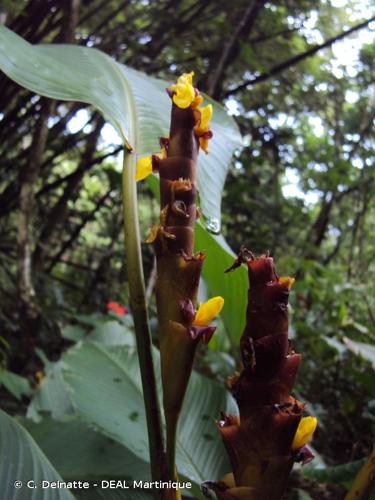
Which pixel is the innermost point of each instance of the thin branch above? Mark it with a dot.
(58, 212)
(298, 58)
(93, 12)
(272, 36)
(76, 232)
(27, 179)
(61, 180)
(243, 25)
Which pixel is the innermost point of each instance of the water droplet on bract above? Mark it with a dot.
(213, 225)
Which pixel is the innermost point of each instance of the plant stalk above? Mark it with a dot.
(364, 482)
(140, 315)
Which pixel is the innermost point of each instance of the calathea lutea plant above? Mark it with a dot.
(181, 326)
(270, 432)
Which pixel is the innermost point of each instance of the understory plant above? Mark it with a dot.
(270, 432)
(181, 326)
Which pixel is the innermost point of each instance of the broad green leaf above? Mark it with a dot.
(335, 344)
(109, 329)
(16, 385)
(22, 460)
(113, 333)
(69, 72)
(52, 396)
(338, 474)
(73, 333)
(89, 456)
(105, 389)
(366, 351)
(232, 286)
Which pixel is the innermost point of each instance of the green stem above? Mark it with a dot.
(140, 315)
(171, 446)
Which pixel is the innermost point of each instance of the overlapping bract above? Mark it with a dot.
(181, 326)
(269, 434)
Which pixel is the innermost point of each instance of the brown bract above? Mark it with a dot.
(259, 440)
(178, 268)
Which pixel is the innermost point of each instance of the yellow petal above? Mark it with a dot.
(162, 154)
(203, 143)
(206, 115)
(144, 168)
(184, 90)
(188, 77)
(197, 101)
(184, 95)
(304, 432)
(286, 279)
(208, 311)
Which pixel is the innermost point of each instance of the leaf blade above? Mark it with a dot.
(68, 72)
(104, 386)
(22, 460)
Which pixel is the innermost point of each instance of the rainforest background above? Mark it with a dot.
(303, 94)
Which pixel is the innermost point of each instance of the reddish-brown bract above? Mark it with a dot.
(259, 440)
(178, 268)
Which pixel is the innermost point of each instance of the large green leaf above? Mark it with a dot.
(22, 460)
(104, 386)
(16, 385)
(70, 72)
(113, 333)
(52, 396)
(337, 474)
(366, 351)
(232, 286)
(89, 456)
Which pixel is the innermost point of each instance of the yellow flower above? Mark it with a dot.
(188, 77)
(208, 311)
(184, 90)
(304, 432)
(144, 165)
(202, 128)
(203, 143)
(144, 168)
(288, 280)
(197, 101)
(206, 115)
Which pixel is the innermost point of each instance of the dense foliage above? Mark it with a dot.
(302, 188)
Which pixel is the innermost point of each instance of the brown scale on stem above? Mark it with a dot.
(268, 435)
(178, 269)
